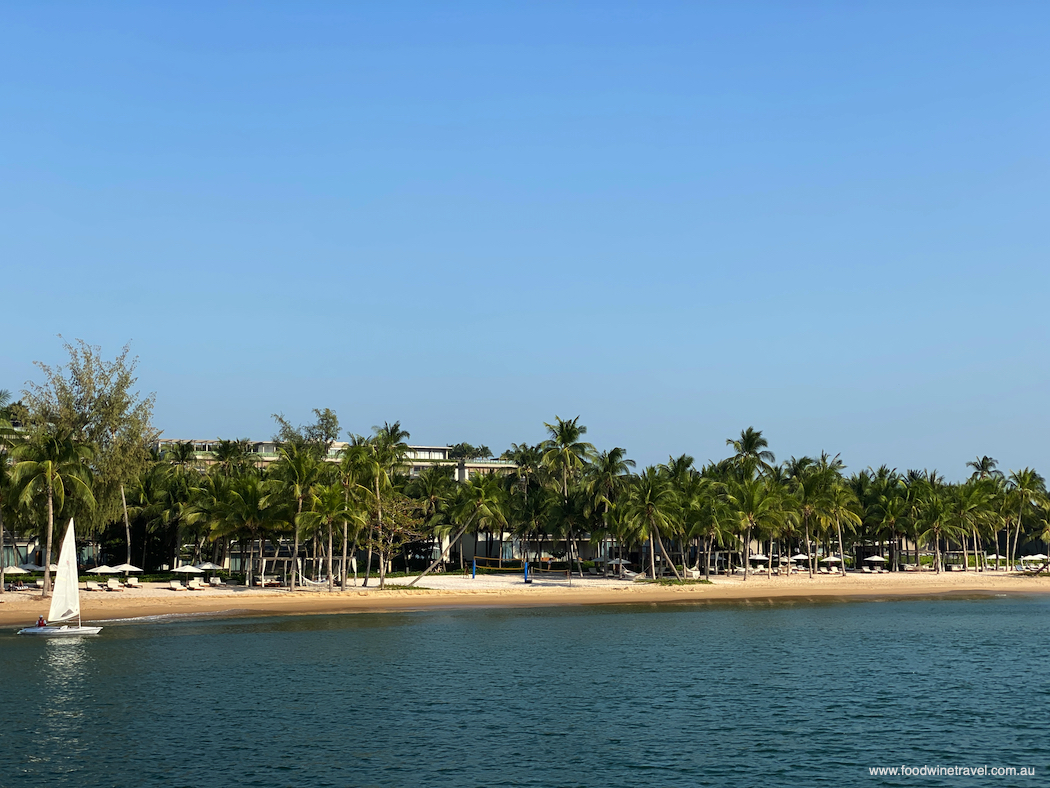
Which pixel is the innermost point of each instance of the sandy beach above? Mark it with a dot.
(21, 608)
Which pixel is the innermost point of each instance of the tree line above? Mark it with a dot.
(82, 444)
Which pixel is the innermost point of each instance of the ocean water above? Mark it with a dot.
(788, 693)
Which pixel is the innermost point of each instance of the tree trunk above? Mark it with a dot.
(809, 551)
(343, 568)
(667, 558)
(331, 577)
(747, 551)
(842, 552)
(368, 560)
(3, 555)
(937, 550)
(50, 529)
(652, 555)
(295, 544)
(251, 556)
(127, 522)
(769, 563)
(441, 557)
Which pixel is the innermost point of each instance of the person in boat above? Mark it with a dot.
(40, 622)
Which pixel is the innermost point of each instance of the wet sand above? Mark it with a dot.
(22, 608)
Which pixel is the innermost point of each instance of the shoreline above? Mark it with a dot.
(22, 608)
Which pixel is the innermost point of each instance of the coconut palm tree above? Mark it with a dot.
(607, 478)
(650, 506)
(329, 505)
(297, 470)
(1028, 490)
(479, 501)
(985, 468)
(755, 508)
(751, 452)
(249, 512)
(52, 465)
(565, 455)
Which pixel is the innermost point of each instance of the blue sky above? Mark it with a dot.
(676, 220)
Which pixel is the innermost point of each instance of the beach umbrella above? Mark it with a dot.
(125, 568)
(831, 559)
(619, 561)
(759, 557)
(800, 557)
(33, 567)
(188, 570)
(878, 558)
(14, 570)
(208, 565)
(1037, 557)
(994, 557)
(105, 569)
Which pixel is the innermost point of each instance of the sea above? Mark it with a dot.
(779, 693)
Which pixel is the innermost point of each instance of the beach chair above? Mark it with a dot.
(175, 585)
(133, 582)
(215, 582)
(195, 584)
(114, 585)
(867, 570)
(91, 585)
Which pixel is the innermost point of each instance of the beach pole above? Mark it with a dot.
(526, 564)
(473, 568)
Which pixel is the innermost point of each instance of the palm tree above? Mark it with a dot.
(329, 505)
(650, 506)
(1029, 490)
(754, 506)
(565, 454)
(7, 441)
(751, 452)
(51, 464)
(247, 514)
(606, 480)
(297, 469)
(479, 501)
(985, 468)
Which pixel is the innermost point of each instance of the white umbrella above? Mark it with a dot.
(105, 569)
(831, 559)
(14, 570)
(994, 557)
(187, 569)
(878, 558)
(1036, 557)
(126, 568)
(800, 557)
(619, 561)
(33, 567)
(208, 566)
(759, 557)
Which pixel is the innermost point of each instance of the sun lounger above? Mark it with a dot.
(175, 585)
(195, 584)
(867, 570)
(216, 581)
(133, 582)
(114, 585)
(91, 585)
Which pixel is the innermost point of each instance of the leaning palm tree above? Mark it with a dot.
(52, 465)
(480, 502)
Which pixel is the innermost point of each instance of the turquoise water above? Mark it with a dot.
(736, 694)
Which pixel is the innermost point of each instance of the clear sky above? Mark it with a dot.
(676, 220)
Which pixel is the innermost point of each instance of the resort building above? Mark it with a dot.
(417, 459)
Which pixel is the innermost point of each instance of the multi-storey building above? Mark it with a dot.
(417, 458)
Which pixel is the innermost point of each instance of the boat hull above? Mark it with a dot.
(60, 632)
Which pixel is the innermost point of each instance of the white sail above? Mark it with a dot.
(65, 596)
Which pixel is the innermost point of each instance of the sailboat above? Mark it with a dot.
(65, 596)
